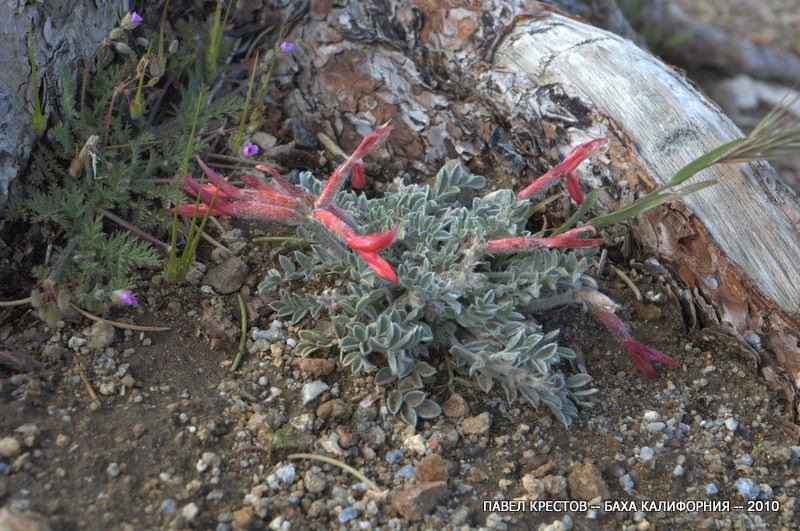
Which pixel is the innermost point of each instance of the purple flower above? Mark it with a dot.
(124, 296)
(131, 20)
(287, 46)
(250, 150)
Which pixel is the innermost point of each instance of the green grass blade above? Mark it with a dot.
(700, 163)
(644, 204)
(588, 202)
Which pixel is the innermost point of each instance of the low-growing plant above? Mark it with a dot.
(459, 273)
(102, 177)
(464, 276)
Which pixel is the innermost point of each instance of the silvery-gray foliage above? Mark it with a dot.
(453, 308)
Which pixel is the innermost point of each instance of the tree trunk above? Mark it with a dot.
(506, 85)
(64, 33)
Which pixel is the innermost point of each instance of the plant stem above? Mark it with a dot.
(118, 324)
(61, 260)
(344, 466)
(270, 239)
(133, 228)
(18, 302)
(243, 311)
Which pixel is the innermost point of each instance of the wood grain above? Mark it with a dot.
(669, 124)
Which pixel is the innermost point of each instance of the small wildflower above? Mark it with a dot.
(250, 150)
(571, 162)
(124, 296)
(131, 20)
(368, 145)
(525, 243)
(367, 246)
(287, 47)
(602, 308)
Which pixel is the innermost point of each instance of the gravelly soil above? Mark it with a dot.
(178, 441)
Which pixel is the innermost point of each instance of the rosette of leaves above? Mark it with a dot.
(453, 307)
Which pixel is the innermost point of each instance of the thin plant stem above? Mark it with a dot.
(62, 259)
(117, 324)
(238, 138)
(628, 282)
(18, 302)
(344, 466)
(133, 228)
(271, 239)
(240, 352)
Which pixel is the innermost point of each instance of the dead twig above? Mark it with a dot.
(628, 282)
(86, 383)
(118, 324)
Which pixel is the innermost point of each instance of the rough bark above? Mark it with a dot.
(64, 33)
(506, 85)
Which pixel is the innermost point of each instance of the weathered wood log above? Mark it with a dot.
(507, 85)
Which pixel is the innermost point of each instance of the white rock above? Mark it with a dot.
(748, 489)
(415, 443)
(651, 416)
(313, 389)
(646, 454)
(190, 511)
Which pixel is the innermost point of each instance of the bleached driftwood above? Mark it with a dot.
(504, 85)
(738, 242)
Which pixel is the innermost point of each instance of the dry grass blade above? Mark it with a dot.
(776, 136)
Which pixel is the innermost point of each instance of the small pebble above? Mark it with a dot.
(286, 473)
(347, 514)
(394, 456)
(748, 489)
(112, 470)
(406, 472)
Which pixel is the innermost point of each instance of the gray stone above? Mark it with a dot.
(477, 425)
(286, 473)
(748, 489)
(62, 38)
(394, 456)
(314, 480)
(312, 390)
(190, 511)
(586, 483)
(168, 506)
(100, 336)
(416, 501)
(227, 277)
(347, 514)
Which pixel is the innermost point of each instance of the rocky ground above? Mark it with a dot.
(176, 440)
